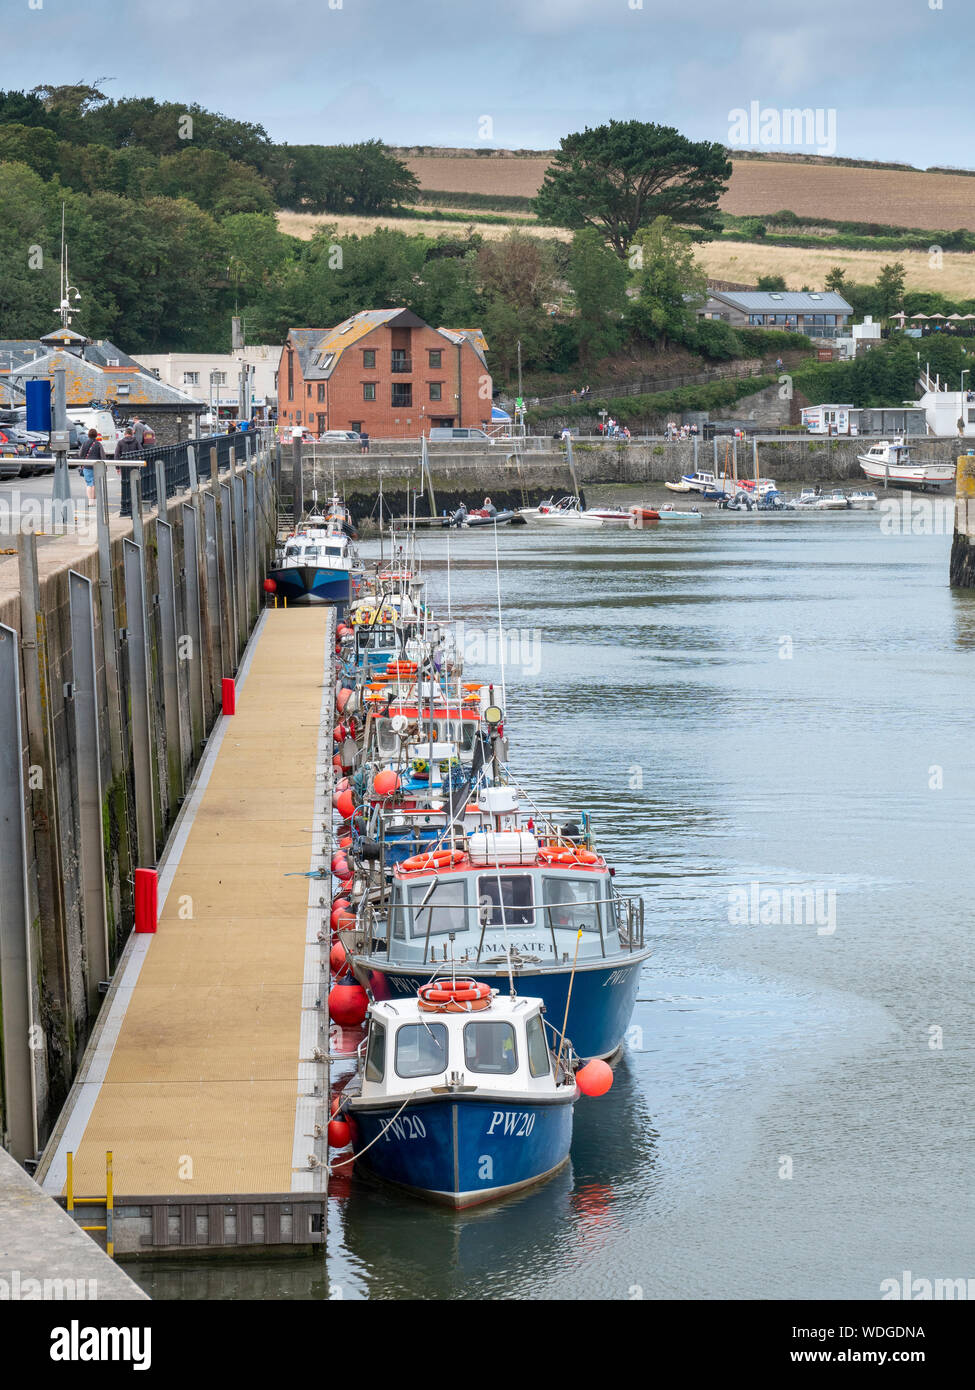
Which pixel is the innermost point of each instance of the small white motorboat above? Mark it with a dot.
(835, 501)
(862, 500)
(682, 486)
(669, 513)
(567, 511)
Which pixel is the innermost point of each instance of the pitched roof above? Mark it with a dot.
(475, 336)
(86, 381)
(319, 349)
(784, 301)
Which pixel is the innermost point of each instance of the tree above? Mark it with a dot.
(362, 178)
(771, 282)
(28, 252)
(30, 145)
(213, 181)
(890, 287)
(256, 250)
(622, 176)
(836, 280)
(598, 279)
(668, 280)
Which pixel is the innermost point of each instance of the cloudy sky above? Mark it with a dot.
(892, 76)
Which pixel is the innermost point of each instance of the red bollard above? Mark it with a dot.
(229, 695)
(146, 901)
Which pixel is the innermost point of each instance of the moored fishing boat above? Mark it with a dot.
(459, 1097)
(318, 562)
(516, 897)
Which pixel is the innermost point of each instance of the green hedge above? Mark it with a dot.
(502, 202)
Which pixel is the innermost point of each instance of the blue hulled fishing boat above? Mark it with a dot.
(510, 899)
(459, 1097)
(318, 562)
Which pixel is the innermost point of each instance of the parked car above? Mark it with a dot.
(339, 437)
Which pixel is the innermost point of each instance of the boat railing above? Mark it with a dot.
(628, 914)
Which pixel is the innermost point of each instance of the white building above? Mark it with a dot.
(214, 377)
(882, 421)
(866, 332)
(946, 410)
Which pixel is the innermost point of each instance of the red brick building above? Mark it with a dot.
(385, 372)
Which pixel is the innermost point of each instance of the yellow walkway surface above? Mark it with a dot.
(201, 1090)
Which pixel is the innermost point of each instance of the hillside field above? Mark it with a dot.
(736, 261)
(817, 189)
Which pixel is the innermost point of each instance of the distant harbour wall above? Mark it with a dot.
(520, 477)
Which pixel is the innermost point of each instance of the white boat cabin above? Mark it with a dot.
(505, 1047)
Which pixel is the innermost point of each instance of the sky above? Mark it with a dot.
(890, 79)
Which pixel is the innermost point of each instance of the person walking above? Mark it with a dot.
(92, 449)
(138, 430)
(127, 445)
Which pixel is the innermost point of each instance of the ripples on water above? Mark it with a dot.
(710, 761)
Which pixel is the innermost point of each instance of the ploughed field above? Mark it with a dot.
(893, 196)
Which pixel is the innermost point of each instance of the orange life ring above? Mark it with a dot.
(586, 856)
(437, 859)
(461, 997)
(553, 854)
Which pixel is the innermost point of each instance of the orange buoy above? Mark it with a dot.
(338, 960)
(385, 783)
(347, 1004)
(339, 1134)
(345, 921)
(345, 804)
(339, 906)
(342, 699)
(595, 1078)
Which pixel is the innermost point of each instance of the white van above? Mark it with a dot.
(460, 432)
(102, 421)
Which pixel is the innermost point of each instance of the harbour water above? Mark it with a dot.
(750, 709)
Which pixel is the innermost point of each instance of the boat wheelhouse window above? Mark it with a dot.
(445, 908)
(376, 1052)
(570, 902)
(421, 1049)
(509, 905)
(380, 638)
(387, 743)
(333, 550)
(311, 553)
(490, 1048)
(539, 1057)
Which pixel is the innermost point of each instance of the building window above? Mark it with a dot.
(368, 390)
(436, 390)
(356, 425)
(400, 362)
(402, 393)
(291, 375)
(308, 389)
(321, 390)
(191, 378)
(297, 417)
(436, 357)
(368, 357)
(321, 424)
(218, 378)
